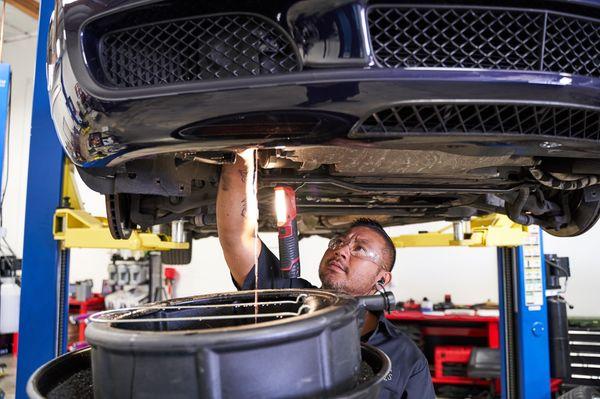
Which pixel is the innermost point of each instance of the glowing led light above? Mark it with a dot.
(280, 206)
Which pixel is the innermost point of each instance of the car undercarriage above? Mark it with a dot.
(336, 184)
(404, 113)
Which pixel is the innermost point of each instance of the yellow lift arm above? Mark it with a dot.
(76, 228)
(487, 231)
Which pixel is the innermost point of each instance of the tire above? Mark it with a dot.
(584, 215)
(581, 393)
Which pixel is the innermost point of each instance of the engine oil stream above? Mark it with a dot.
(255, 212)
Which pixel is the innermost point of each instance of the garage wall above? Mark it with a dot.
(468, 274)
(583, 288)
(21, 56)
(412, 276)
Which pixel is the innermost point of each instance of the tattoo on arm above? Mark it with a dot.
(244, 207)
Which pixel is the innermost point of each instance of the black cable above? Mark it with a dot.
(556, 265)
(383, 293)
(566, 274)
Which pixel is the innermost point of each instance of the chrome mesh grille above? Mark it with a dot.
(196, 49)
(505, 39)
(572, 46)
(519, 119)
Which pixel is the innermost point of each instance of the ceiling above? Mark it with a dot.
(18, 25)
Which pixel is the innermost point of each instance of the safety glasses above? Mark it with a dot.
(358, 249)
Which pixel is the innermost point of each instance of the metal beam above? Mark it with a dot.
(39, 330)
(29, 7)
(76, 228)
(487, 231)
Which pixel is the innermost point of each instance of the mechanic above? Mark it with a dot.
(353, 264)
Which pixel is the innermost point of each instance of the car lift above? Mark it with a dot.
(526, 369)
(487, 231)
(76, 228)
(524, 343)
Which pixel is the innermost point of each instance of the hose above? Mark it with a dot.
(385, 301)
(550, 181)
(514, 210)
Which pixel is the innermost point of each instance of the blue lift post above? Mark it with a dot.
(524, 320)
(4, 109)
(41, 324)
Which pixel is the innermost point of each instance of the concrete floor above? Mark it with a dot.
(8, 381)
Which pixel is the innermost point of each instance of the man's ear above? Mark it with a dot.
(384, 278)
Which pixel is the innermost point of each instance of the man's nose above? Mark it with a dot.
(342, 252)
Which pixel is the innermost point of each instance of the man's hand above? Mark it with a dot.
(237, 213)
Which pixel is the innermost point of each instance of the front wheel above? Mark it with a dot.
(583, 207)
(118, 211)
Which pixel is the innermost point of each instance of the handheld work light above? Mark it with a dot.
(285, 210)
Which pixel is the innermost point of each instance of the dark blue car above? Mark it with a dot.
(404, 112)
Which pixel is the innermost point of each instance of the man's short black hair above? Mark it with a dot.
(378, 228)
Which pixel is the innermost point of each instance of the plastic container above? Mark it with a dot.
(306, 344)
(426, 305)
(293, 357)
(70, 377)
(10, 294)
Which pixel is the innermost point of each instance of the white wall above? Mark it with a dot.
(468, 274)
(21, 56)
(583, 291)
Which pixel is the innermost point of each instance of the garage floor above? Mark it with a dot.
(8, 381)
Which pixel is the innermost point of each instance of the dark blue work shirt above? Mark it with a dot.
(409, 378)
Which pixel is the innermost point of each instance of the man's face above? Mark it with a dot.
(344, 272)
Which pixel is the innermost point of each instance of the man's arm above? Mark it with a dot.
(236, 216)
(419, 384)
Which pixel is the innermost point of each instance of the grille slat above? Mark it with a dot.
(439, 118)
(196, 49)
(503, 39)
